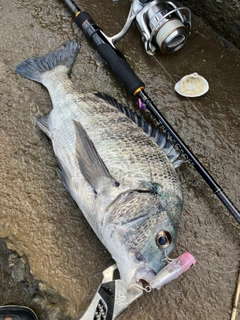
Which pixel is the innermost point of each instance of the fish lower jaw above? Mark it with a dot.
(136, 274)
(172, 270)
(144, 273)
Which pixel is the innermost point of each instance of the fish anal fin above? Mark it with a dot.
(90, 163)
(42, 123)
(65, 177)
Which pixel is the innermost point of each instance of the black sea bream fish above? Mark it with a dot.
(111, 164)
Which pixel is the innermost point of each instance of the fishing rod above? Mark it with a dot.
(118, 64)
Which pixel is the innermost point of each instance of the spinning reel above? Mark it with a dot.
(161, 23)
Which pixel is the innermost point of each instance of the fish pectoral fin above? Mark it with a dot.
(91, 164)
(42, 123)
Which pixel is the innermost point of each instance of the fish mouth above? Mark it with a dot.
(172, 270)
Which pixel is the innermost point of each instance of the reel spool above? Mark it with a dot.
(161, 23)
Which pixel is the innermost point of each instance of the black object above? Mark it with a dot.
(116, 61)
(17, 313)
(114, 58)
(190, 156)
(107, 292)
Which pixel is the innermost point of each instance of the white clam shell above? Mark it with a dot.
(192, 85)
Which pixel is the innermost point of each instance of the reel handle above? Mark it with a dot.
(113, 57)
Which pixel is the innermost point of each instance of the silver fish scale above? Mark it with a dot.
(128, 215)
(127, 151)
(125, 148)
(129, 154)
(149, 201)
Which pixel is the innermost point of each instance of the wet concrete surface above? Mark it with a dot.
(50, 259)
(222, 16)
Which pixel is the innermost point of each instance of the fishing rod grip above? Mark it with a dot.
(116, 61)
(113, 57)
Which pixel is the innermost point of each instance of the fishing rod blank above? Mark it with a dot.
(118, 64)
(114, 58)
(190, 156)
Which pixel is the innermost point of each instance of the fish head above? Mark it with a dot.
(145, 233)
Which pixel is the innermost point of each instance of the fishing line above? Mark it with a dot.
(202, 116)
(136, 87)
(217, 271)
(228, 250)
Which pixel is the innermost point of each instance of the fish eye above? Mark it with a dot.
(163, 239)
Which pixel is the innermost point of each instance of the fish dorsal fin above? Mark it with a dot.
(155, 133)
(91, 164)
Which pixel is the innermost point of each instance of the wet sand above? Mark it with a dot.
(50, 259)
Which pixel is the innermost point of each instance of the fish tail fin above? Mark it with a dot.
(34, 68)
